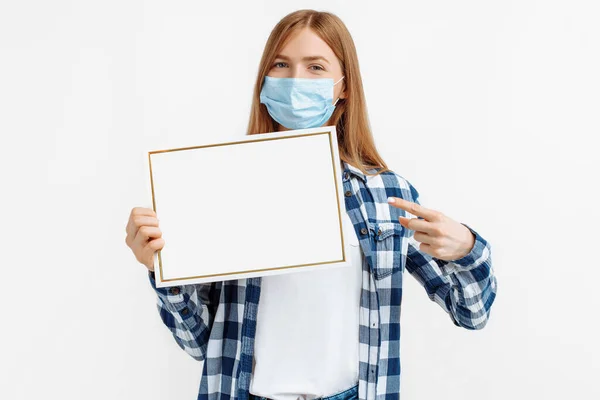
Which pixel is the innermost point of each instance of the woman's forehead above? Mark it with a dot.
(305, 44)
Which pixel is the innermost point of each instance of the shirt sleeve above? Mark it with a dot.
(465, 288)
(188, 312)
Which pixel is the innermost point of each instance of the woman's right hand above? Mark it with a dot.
(143, 235)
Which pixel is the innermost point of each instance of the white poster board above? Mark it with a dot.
(265, 204)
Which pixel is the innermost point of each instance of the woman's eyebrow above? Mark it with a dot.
(307, 58)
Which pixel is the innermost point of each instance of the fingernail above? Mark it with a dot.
(390, 199)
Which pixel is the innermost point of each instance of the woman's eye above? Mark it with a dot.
(318, 68)
(279, 64)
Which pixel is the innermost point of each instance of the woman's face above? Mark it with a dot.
(306, 55)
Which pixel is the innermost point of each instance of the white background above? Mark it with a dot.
(489, 108)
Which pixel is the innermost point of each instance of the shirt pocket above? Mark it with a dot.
(389, 238)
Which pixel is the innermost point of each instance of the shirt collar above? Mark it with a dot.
(357, 172)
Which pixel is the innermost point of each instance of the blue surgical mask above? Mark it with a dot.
(299, 103)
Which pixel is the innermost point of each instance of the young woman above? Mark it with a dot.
(329, 334)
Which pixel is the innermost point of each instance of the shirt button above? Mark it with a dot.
(174, 290)
(185, 311)
(348, 193)
(363, 231)
(346, 175)
(379, 231)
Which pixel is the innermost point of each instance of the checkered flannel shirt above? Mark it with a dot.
(216, 322)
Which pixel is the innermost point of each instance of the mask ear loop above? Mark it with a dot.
(336, 100)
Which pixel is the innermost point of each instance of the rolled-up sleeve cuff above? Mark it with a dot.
(478, 254)
(172, 297)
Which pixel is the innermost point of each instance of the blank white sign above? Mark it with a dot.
(263, 205)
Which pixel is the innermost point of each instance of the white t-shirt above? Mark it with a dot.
(306, 343)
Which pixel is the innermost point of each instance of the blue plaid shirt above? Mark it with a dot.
(216, 322)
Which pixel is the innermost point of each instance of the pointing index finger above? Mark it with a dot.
(413, 208)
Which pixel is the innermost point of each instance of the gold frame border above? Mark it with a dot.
(335, 177)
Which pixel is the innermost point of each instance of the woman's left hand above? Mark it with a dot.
(440, 236)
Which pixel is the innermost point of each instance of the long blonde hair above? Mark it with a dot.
(355, 140)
